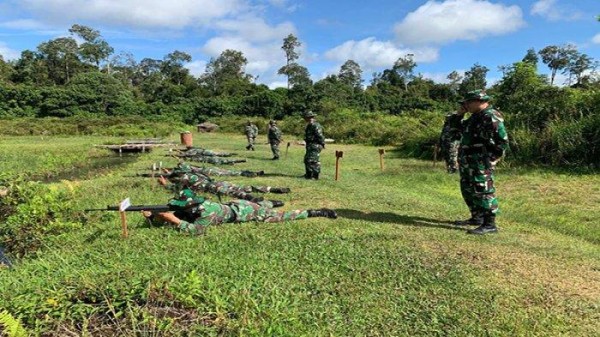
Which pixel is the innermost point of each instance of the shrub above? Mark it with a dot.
(30, 212)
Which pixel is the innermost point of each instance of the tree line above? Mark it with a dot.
(64, 77)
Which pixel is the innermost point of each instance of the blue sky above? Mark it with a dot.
(443, 35)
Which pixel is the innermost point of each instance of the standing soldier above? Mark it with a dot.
(449, 143)
(315, 142)
(484, 141)
(251, 133)
(274, 136)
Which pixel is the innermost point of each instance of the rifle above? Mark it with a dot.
(148, 175)
(137, 208)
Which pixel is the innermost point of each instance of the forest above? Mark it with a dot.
(81, 78)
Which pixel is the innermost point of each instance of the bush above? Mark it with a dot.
(32, 211)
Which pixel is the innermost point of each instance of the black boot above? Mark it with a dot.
(279, 190)
(248, 174)
(315, 176)
(277, 203)
(488, 227)
(472, 221)
(308, 175)
(323, 212)
(255, 199)
(260, 173)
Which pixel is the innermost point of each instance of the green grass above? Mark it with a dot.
(390, 265)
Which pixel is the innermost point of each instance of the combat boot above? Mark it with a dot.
(248, 174)
(488, 227)
(256, 199)
(279, 190)
(323, 212)
(315, 176)
(277, 203)
(472, 221)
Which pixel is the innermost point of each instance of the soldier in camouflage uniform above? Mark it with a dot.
(183, 167)
(200, 152)
(251, 131)
(449, 143)
(274, 136)
(484, 141)
(214, 160)
(183, 177)
(315, 142)
(198, 213)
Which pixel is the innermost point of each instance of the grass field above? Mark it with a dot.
(390, 265)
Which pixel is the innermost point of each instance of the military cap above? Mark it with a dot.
(182, 168)
(186, 198)
(309, 114)
(476, 95)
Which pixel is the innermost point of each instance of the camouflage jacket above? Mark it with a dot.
(274, 135)
(313, 134)
(251, 130)
(484, 135)
(449, 132)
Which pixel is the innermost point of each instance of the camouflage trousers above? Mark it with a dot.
(275, 149)
(312, 160)
(215, 171)
(249, 211)
(251, 140)
(450, 153)
(477, 188)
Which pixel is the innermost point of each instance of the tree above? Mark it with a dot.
(172, 66)
(351, 74)
(455, 78)
(474, 79)
(531, 57)
(578, 65)
(290, 43)
(94, 49)
(557, 58)
(225, 71)
(60, 56)
(405, 67)
(5, 70)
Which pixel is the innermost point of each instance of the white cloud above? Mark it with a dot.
(196, 68)
(261, 57)
(550, 10)
(451, 20)
(255, 29)
(7, 53)
(371, 53)
(277, 84)
(173, 14)
(596, 38)
(28, 24)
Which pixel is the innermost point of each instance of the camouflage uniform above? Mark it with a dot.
(200, 152)
(484, 140)
(274, 136)
(216, 171)
(202, 183)
(251, 133)
(315, 142)
(449, 143)
(215, 160)
(204, 213)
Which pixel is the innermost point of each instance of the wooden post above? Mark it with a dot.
(436, 149)
(381, 163)
(338, 155)
(124, 232)
(287, 148)
(120, 151)
(122, 207)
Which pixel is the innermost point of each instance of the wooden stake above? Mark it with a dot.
(436, 149)
(381, 163)
(338, 155)
(124, 232)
